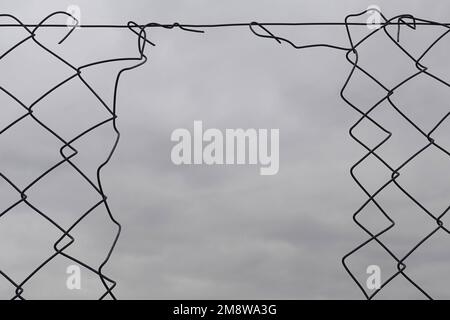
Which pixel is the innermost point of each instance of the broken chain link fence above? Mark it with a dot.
(68, 152)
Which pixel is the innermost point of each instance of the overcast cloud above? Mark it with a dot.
(221, 231)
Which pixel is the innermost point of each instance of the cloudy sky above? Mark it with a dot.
(198, 232)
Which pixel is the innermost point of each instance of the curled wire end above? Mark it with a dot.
(268, 33)
(142, 34)
(176, 24)
(402, 20)
(76, 25)
(54, 14)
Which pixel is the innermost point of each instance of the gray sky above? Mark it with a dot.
(222, 231)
